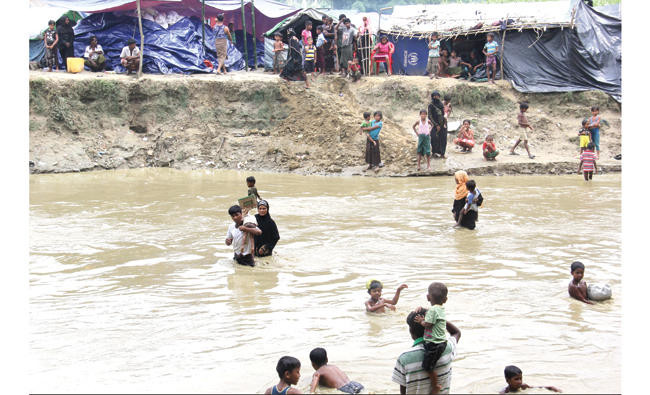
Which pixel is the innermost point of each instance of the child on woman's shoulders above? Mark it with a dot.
(377, 304)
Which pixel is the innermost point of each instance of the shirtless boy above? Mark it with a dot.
(578, 286)
(376, 303)
(329, 375)
(514, 378)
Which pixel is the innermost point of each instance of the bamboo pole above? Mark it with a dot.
(243, 23)
(503, 51)
(254, 36)
(203, 22)
(141, 40)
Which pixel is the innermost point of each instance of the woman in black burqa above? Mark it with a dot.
(293, 70)
(436, 112)
(66, 39)
(265, 242)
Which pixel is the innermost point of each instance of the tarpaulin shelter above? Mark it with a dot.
(267, 14)
(37, 23)
(295, 21)
(547, 46)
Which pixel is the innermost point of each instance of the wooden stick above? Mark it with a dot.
(141, 40)
(503, 44)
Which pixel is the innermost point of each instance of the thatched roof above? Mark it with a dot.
(469, 18)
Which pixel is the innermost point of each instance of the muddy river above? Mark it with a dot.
(132, 288)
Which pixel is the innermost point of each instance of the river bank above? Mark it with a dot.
(254, 121)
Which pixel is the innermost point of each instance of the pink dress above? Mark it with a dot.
(382, 51)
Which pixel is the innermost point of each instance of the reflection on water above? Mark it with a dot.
(133, 289)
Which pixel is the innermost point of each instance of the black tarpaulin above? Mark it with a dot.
(563, 60)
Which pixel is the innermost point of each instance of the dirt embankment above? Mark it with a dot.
(256, 122)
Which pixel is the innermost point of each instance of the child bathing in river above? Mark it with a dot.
(329, 375)
(376, 303)
(578, 286)
(288, 369)
(514, 378)
(435, 324)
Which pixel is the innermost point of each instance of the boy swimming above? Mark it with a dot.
(434, 323)
(578, 286)
(376, 303)
(514, 378)
(288, 369)
(330, 375)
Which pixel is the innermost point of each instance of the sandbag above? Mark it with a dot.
(598, 292)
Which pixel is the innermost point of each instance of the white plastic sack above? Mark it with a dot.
(598, 292)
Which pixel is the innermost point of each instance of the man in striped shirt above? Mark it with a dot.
(408, 372)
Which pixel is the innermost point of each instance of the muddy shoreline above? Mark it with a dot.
(256, 122)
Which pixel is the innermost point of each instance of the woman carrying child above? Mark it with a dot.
(460, 199)
(373, 157)
(465, 138)
(293, 66)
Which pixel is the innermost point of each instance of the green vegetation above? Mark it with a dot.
(479, 97)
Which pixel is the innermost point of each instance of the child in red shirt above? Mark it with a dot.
(354, 69)
(490, 150)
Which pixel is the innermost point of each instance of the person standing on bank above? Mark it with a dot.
(265, 243)
(51, 39)
(222, 35)
(66, 40)
(439, 132)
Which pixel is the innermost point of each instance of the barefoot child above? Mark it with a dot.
(585, 136)
(578, 286)
(354, 69)
(310, 58)
(422, 129)
(594, 128)
(278, 48)
(329, 375)
(434, 324)
(376, 303)
(288, 369)
(514, 378)
(51, 38)
(373, 156)
(522, 121)
(490, 150)
(446, 101)
(473, 201)
(434, 56)
(320, 49)
(465, 138)
(588, 162)
(490, 51)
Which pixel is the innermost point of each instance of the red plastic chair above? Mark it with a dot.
(390, 58)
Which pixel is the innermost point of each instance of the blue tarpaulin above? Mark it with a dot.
(239, 44)
(410, 56)
(177, 49)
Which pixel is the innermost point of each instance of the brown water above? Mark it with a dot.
(133, 289)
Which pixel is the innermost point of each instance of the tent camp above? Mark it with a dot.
(547, 46)
(172, 29)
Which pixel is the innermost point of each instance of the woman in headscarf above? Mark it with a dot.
(66, 40)
(293, 66)
(460, 198)
(436, 112)
(265, 242)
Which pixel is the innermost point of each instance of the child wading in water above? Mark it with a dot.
(422, 129)
(376, 303)
(250, 183)
(329, 375)
(434, 324)
(472, 201)
(585, 136)
(373, 156)
(288, 369)
(514, 378)
(578, 286)
(588, 162)
(522, 121)
(490, 150)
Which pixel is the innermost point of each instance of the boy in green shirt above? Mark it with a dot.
(434, 324)
(366, 122)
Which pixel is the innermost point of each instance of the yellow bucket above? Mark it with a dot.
(75, 65)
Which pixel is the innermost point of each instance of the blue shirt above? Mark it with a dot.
(491, 47)
(374, 134)
(470, 198)
(321, 40)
